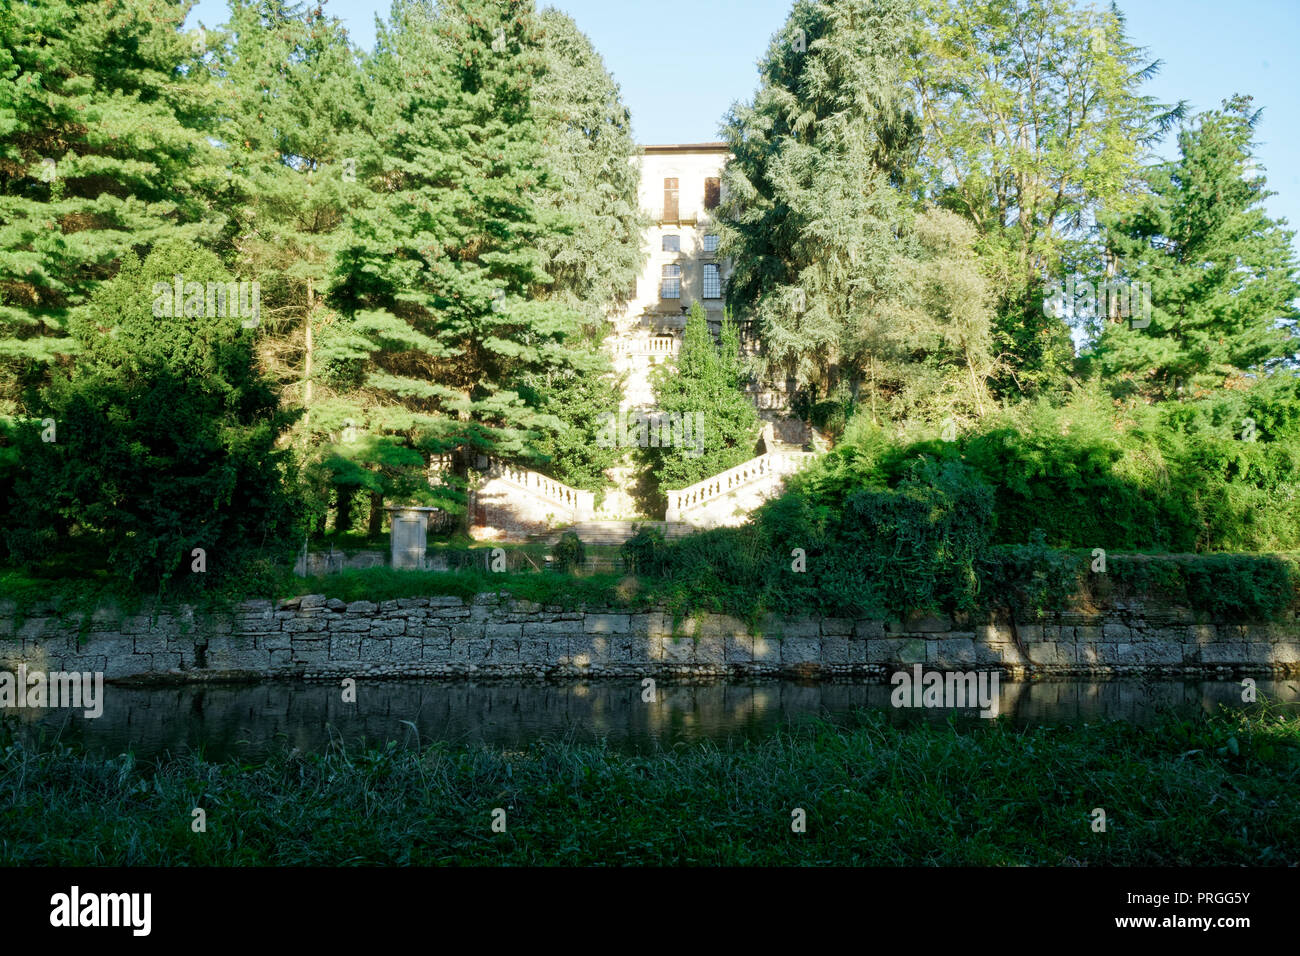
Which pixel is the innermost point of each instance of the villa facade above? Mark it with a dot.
(681, 187)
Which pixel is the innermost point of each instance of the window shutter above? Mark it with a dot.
(712, 192)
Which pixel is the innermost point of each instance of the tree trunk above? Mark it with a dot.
(376, 513)
(343, 516)
(307, 346)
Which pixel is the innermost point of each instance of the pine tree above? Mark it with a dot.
(292, 135)
(588, 146)
(105, 113)
(292, 78)
(593, 261)
(1222, 274)
(440, 274)
(812, 213)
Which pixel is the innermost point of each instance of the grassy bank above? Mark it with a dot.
(1217, 790)
(717, 572)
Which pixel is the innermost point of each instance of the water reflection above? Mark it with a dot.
(250, 720)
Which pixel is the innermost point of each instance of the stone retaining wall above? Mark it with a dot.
(496, 636)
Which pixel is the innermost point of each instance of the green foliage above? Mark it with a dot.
(589, 150)
(165, 441)
(569, 553)
(106, 110)
(889, 551)
(1222, 274)
(580, 399)
(810, 215)
(986, 794)
(705, 385)
(645, 552)
(1227, 587)
(1031, 580)
(1088, 474)
(1033, 121)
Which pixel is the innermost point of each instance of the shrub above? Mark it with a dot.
(646, 551)
(569, 553)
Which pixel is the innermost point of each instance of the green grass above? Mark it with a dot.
(1218, 790)
(383, 584)
(714, 576)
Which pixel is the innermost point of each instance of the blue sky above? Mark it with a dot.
(682, 63)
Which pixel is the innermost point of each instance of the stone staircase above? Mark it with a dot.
(521, 504)
(514, 502)
(614, 533)
(727, 499)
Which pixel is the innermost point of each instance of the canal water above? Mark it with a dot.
(250, 720)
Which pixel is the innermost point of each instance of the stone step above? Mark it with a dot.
(614, 532)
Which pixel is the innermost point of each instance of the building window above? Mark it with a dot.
(710, 244)
(712, 192)
(670, 198)
(712, 281)
(672, 243)
(671, 286)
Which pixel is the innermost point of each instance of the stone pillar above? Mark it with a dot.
(409, 536)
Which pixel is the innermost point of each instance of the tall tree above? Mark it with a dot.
(1033, 120)
(704, 391)
(588, 149)
(936, 361)
(295, 94)
(106, 109)
(1222, 274)
(165, 438)
(811, 212)
(587, 143)
(441, 272)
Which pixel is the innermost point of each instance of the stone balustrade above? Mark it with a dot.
(572, 503)
(768, 467)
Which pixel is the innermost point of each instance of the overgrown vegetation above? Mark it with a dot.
(440, 226)
(980, 794)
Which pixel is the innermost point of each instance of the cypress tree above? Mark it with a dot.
(812, 214)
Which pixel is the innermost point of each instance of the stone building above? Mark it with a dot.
(681, 186)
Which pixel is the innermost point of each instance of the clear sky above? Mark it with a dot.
(682, 63)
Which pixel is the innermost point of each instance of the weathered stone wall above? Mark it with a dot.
(496, 636)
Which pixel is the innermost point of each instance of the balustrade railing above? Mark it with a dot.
(579, 504)
(768, 466)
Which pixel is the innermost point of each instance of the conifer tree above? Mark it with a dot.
(587, 141)
(440, 273)
(295, 91)
(705, 387)
(811, 215)
(1222, 274)
(105, 114)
